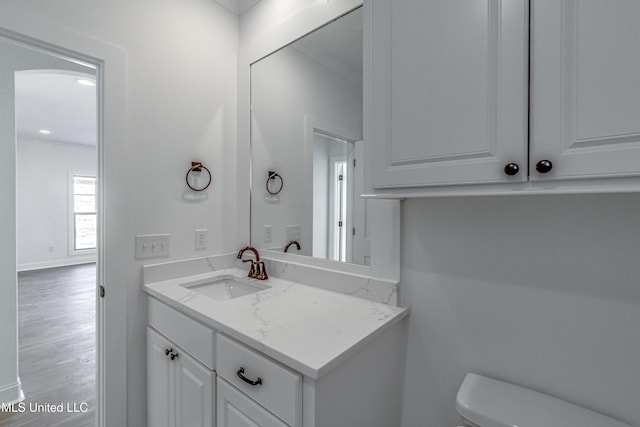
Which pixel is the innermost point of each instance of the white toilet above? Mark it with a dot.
(485, 402)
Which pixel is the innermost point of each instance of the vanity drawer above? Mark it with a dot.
(193, 337)
(279, 389)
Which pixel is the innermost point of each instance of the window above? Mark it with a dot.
(84, 219)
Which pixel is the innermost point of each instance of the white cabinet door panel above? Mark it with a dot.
(449, 91)
(585, 88)
(237, 410)
(160, 393)
(195, 397)
(180, 391)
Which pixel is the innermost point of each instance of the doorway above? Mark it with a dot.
(113, 256)
(333, 196)
(51, 127)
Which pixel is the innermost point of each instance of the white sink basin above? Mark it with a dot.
(224, 288)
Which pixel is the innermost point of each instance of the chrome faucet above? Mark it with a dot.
(258, 269)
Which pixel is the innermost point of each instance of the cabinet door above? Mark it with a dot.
(449, 91)
(160, 394)
(585, 92)
(195, 396)
(237, 410)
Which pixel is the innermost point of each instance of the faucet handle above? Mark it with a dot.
(262, 271)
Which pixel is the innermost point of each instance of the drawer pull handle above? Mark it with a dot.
(240, 374)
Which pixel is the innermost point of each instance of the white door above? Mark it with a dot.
(449, 91)
(361, 239)
(237, 410)
(585, 93)
(160, 389)
(195, 393)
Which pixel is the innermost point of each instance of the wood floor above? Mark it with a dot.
(56, 312)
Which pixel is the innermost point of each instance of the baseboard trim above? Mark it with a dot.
(11, 393)
(56, 263)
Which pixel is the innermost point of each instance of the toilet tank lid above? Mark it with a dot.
(491, 403)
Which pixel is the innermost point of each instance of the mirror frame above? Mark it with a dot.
(385, 218)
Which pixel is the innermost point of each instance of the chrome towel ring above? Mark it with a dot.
(197, 167)
(271, 177)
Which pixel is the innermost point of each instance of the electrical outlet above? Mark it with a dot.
(294, 232)
(201, 238)
(268, 234)
(152, 246)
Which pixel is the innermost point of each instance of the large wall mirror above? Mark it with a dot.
(307, 149)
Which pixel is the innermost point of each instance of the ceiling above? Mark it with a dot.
(237, 6)
(54, 100)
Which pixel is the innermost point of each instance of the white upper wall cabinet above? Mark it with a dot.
(585, 88)
(451, 82)
(449, 91)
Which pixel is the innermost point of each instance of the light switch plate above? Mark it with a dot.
(201, 238)
(152, 246)
(268, 234)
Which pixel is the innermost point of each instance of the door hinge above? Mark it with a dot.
(354, 163)
(353, 231)
(101, 291)
(339, 223)
(339, 177)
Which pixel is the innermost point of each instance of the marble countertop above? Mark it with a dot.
(309, 329)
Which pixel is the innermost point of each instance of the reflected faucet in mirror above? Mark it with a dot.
(291, 243)
(257, 269)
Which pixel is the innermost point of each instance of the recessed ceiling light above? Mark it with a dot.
(86, 82)
(45, 131)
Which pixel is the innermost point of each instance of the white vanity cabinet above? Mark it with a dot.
(459, 97)
(180, 388)
(290, 355)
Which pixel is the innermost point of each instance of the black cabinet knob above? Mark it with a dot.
(544, 166)
(511, 169)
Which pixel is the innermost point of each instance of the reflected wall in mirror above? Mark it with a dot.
(306, 126)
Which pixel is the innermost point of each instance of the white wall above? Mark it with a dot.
(181, 106)
(43, 176)
(287, 89)
(541, 291)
